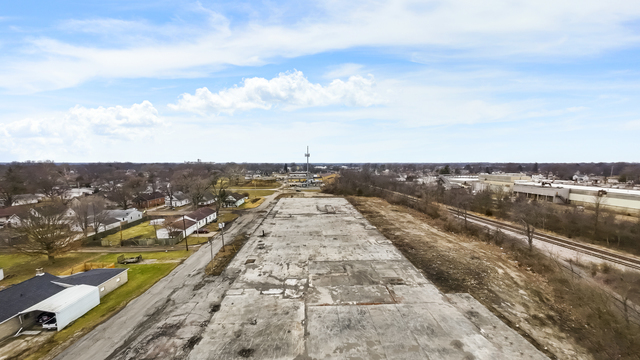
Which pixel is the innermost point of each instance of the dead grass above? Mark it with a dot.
(225, 255)
(252, 203)
(564, 316)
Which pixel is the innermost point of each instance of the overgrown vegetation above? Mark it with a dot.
(225, 255)
(587, 312)
(584, 310)
(602, 227)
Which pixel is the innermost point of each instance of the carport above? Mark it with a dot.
(67, 305)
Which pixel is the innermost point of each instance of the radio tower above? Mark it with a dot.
(307, 155)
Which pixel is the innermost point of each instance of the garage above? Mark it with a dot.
(64, 307)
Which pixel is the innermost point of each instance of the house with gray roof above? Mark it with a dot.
(61, 299)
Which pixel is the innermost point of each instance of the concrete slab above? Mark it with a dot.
(502, 336)
(324, 284)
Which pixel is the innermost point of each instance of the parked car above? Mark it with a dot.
(203, 231)
(44, 317)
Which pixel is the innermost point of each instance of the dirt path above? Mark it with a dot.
(457, 264)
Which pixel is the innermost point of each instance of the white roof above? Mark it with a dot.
(63, 299)
(588, 188)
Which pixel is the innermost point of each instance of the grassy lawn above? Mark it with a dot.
(169, 255)
(222, 217)
(251, 203)
(141, 278)
(140, 231)
(20, 267)
(254, 192)
(193, 240)
(258, 184)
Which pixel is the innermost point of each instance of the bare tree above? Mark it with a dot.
(46, 230)
(124, 192)
(11, 184)
(89, 212)
(598, 200)
(100, 216)
(195, 185)
(529, 215)
(47, 178)
(461, 200)
(218, 188)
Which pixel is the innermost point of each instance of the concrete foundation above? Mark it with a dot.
(325, 284)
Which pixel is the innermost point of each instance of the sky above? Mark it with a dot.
(356, 81)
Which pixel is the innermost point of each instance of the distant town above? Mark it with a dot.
(88, 244)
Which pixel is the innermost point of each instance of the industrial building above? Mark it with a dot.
(619, 200)
(499, 182)
(558, 195)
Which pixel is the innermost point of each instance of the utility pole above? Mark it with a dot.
(185, 233)
(211, 247)
(307, 156)
(221, 226)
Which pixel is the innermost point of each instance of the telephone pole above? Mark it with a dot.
(307, 156)
(185, 233)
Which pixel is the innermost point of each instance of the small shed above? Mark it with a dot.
(67, 305)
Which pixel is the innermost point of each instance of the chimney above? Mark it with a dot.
(39, 272)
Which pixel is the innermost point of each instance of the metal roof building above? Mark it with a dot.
(68, 305)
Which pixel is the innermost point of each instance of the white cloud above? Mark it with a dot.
(492, 28)
(343, 70)
(289, 90)
(79, 129)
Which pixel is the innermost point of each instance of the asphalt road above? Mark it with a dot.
(178, 307)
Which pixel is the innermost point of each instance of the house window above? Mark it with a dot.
(102, 288)
(118, 280)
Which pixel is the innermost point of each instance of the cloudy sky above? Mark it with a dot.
(357, 81)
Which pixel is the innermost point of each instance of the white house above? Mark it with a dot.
(26, 199)
(129, 215)
(208, 199)
(234, 200)
(189, 223)
(177, 199)
(74, 193)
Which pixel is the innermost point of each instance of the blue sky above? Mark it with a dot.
(359, 81)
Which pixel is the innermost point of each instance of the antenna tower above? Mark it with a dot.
(307, 156)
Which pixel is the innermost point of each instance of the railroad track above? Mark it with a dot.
(559, 241)
(610, 256)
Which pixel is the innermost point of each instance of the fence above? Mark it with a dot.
(94, 240)
(145, 242)
(86, 267)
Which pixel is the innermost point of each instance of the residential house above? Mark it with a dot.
(128, 216)
(9, 216)
(234, 199)
(145, 201)
(208, 199)
(189, 223)
(62, 299)
(177, 199)
(25, 199)
(79, 192)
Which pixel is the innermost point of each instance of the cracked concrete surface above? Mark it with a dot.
(325, 284)
(321, 284)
